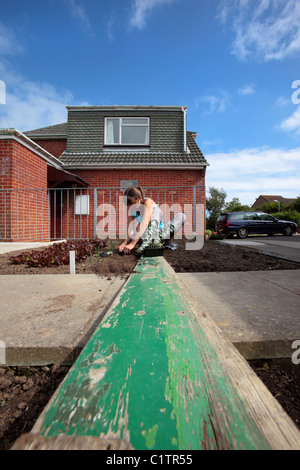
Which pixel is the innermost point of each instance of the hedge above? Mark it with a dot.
(294, 216)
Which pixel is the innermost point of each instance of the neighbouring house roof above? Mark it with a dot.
(264, 199)
(58, 131)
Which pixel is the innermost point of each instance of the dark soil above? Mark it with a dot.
(217, 257)
(282, 378)
(212, 257)
(25, 391)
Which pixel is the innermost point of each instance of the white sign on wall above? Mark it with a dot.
(82, 204)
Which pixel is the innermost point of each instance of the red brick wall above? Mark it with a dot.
(55, 147)
(180, 192)
(24, 213)
(145, 178)
(29, 170)
(5, 164)
(27, 215)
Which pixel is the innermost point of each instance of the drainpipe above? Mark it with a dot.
(184, 126)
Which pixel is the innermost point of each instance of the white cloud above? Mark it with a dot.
(9, 45)
(268, 29)
(247, 173)
(2, 92)
(292, 123)
(79, 12)
(28, 105)
(282, 101)
(216, 103)
(142, 8)
(247, 89)
(34, 105)
(109, 28)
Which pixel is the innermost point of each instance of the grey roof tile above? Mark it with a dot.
(58, 130)
(194, 155)
(131, 158)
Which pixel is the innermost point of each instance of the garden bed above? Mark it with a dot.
(212, 257)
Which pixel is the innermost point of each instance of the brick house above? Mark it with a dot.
(83, 166)
(266, 199)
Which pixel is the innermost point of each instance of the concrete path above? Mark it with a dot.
(47, 319)
(258, 311)
(287, 248)
(7, 247)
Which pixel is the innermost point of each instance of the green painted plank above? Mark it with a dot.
(149, 376)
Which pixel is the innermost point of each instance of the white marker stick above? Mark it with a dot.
(72, 262)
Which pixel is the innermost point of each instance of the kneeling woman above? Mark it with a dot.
(145, 222)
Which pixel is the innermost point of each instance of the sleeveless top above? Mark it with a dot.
(139, 218)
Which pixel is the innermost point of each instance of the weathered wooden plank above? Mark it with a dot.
(36, 442)
(158, 374)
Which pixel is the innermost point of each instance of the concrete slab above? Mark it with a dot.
(48, 318)
(258, 311)
(242, 243)
(287, 248)
(7, 247)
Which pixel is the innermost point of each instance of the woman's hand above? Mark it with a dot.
(128, 248)
(121, 247)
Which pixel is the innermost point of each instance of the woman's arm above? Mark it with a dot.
(130, 221)
(146, 216)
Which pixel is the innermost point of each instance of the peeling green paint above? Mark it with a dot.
(150, 436)
(148, 375)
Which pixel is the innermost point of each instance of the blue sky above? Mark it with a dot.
(234, 63)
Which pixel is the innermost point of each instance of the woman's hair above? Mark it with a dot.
(132, 193)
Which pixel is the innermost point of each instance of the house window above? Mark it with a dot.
(127, 131)
(82, 204)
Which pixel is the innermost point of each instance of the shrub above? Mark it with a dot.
(295, 205)
(293, 216)
(272, 207)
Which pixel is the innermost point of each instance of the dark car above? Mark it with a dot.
(255, 222)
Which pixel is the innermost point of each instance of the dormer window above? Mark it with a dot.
(127, 131)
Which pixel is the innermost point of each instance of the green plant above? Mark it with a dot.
(214, 206)
(292, 215)
(272, 207)
(295, 205)
(112, 245)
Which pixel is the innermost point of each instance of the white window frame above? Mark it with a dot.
(121, 125)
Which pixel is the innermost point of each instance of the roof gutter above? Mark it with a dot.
(184, 108)
(125, 108)
(144, 166)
